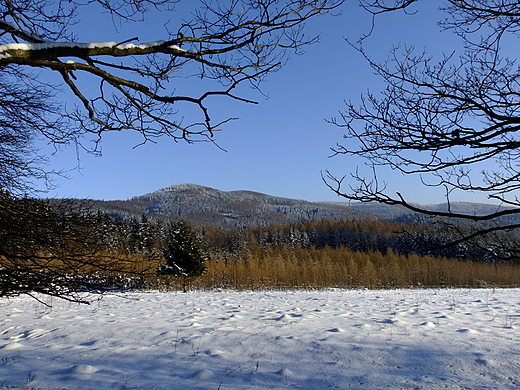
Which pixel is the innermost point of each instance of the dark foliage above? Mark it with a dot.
(53, 249)
(183, 253)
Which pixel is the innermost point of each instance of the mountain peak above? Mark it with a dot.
(180, 187)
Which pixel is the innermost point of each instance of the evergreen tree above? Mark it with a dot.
(183, 253)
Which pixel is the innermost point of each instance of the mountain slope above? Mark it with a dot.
(239, 209)
(234, 209)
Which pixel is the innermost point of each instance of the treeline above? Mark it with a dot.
(146, 235)
(347, 254)
(364, 235)
(328, 254)
(342, 254)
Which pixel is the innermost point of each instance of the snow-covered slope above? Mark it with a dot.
(398, 339)
(237, 209)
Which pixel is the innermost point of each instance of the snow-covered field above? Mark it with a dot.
(398, 339)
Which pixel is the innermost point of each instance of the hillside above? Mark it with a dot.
(240, 209)
(234, 209)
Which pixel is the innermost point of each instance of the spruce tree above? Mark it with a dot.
(183, 253)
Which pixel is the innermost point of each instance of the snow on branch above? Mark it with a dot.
(65, 49)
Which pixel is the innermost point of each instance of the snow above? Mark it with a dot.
(360, 339)
(91, 45)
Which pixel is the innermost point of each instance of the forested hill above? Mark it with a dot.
(234, 209)
(238, 209)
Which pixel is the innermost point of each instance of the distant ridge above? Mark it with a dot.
(238, 209)
(227, 209)
(207, 206)
(469, 208)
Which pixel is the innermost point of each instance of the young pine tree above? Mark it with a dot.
(183, 253)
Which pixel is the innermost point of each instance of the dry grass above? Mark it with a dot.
(282, 267)
(286, 268)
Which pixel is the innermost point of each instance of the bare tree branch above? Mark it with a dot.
(455, 121)
(227, 43)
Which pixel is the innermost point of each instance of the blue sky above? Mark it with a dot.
(279, 146)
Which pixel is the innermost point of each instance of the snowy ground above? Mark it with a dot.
(398, 339)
